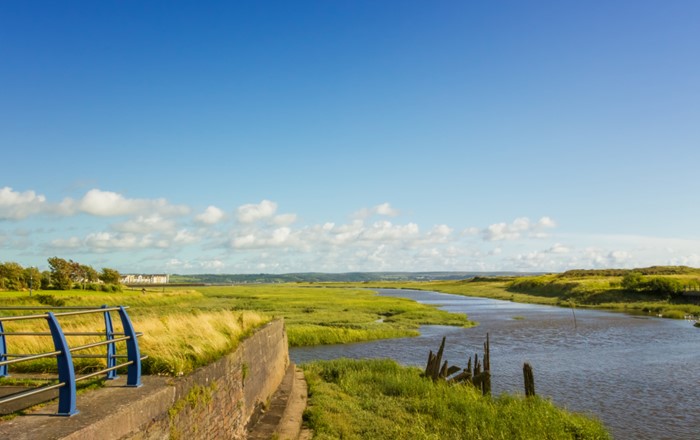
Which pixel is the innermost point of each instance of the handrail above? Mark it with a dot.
(82, 311)
(29, 357)
(63, 352)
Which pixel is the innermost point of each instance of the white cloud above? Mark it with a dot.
(439, 234)
(110, 204)
(520, 227)
(384, 209)
(251, 213)
(285, 219)
(260, 239)
(210, 216)
(546, 222)
(558, 248)
(386, 231)
(146, 224)
(185, 237)
(19, 205)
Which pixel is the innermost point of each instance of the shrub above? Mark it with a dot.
(50, 300)
(664, 286)
(632, 281)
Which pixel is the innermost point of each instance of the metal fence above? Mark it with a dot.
(63, 352)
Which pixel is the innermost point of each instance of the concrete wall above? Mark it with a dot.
(219, 400)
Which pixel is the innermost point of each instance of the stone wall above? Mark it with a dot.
(219, 400)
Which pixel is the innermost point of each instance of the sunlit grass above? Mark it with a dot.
(379, 399)
(181, 329)
(181, 342)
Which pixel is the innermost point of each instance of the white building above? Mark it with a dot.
(145, 279)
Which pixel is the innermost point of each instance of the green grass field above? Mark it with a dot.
(378, 399)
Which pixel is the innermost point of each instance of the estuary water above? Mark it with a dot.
(639, 375)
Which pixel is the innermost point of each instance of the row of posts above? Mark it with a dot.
(477, 374)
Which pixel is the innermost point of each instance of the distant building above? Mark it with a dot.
(145, 279)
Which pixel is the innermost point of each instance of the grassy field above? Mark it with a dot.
(379, 399)
(184, 329)
(316, 316)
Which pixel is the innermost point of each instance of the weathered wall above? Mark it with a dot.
(217, 401)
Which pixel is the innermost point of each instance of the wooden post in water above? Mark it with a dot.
(486, 388)
(529, 380)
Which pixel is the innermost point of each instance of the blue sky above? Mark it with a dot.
(334, 136)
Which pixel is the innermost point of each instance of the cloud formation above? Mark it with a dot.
(110, 204)
(252, 213)
(19, 205)
(520, 227)
(211, 216)
(151, 234)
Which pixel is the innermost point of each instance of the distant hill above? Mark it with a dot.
(316, 277)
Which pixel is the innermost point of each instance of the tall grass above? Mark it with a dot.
(177, 343)
(182, 329)
(379, 399)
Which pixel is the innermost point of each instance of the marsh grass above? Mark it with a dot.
(379, 399)
(316, 316)
(182, 329)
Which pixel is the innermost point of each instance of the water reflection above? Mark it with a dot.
(639, 375)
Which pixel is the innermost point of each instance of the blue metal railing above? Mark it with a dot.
(64, 353)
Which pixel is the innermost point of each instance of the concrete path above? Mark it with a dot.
(283, 418)
(117, 411)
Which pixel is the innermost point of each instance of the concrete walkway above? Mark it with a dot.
(110, 412)
(116, 411)
(283, 418)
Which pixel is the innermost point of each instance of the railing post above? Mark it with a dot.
(3, 351)
(132, 350)
(111, 348)
(66, 373)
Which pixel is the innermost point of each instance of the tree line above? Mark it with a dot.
(62, 275)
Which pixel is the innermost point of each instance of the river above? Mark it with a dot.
(639, 375)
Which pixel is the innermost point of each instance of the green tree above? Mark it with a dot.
(110, 276)
(61, 271)
(45, 280)
(11, 276)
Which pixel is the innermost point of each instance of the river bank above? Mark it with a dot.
(582, 293)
